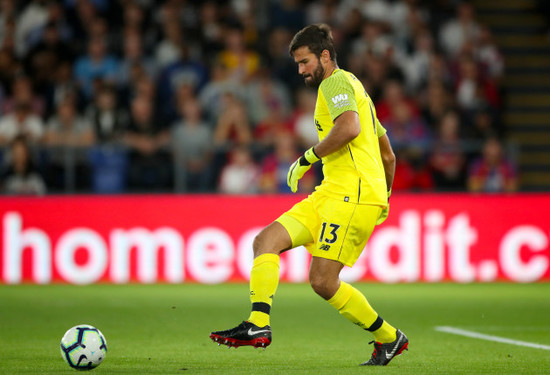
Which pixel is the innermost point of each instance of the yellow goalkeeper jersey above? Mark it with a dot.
(354, 173)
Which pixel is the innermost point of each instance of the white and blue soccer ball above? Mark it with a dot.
(83, 347)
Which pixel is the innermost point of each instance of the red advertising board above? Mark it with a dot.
(207, 239)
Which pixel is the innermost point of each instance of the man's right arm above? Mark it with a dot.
(388, 159)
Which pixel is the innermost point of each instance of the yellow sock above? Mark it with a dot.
(353, 305)
(264, 279)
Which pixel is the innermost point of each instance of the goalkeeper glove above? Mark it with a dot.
(385, 212)
(299, 168)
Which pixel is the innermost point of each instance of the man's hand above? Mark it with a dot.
(299, 168)
(385, 212)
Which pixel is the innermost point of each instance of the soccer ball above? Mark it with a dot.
(83, 347)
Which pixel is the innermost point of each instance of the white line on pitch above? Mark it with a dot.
(463, 332)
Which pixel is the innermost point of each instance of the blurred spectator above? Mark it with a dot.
(278, 61)
(20, 177)
(21, 122)
(484, 125)
(56, 18)
(63, 86)
(133, 15)
(219, 86)
(472, 90)
(233, 126)
(45, 62)
(136, 18)
(144, 87)
(183, 71)
(7, 16)
(140, 85)
(349, 30)
(325, 11)
(95, 65)
(242, 62)
(246, 14)
(406, 129)
(33, 16)
(459, 30)
(375, 10)
(81, 15)
(191, 142)
(265, 96)
(134, 60)
(100, 5)
(288, 14)
(436, 103)
(373, 72)
(266, 131)
(22, 92)
(416, 65)
(394, 95)
(168, 50)
(68, 128)
(302, 121)
(8, 69)
(447, 156)
(275, 167)
(439, 70)
(210, 29)
(68, 136)
(7, 38)
(109, 121)
(49, 51)
(150, 163)
(411, 173)
(492, 172)
(372, 41)
(409, 19)
(240, 175)
(183, 11)
(487, 53)
(98, 28)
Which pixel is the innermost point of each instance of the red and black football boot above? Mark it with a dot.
(245, 334)
(383, 353)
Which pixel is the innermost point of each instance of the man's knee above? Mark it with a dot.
(258, 244)
(324, 276)
(323, 286)
(272, 239)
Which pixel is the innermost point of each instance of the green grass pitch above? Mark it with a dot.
(163, 329)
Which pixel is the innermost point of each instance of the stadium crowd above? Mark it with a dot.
(202, 96)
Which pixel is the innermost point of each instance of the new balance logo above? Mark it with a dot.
(339, 98)
(324, 247)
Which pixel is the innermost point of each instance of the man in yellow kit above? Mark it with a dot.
(335, 222)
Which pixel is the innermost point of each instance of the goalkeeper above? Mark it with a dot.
(335, 222)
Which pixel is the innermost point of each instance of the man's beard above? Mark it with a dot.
(316, 77)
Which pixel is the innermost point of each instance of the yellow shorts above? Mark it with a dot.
(330, 228)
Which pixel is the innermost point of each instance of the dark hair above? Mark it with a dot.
(317, 37)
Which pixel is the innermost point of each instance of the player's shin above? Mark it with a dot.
(264, 279)
(353, 305)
